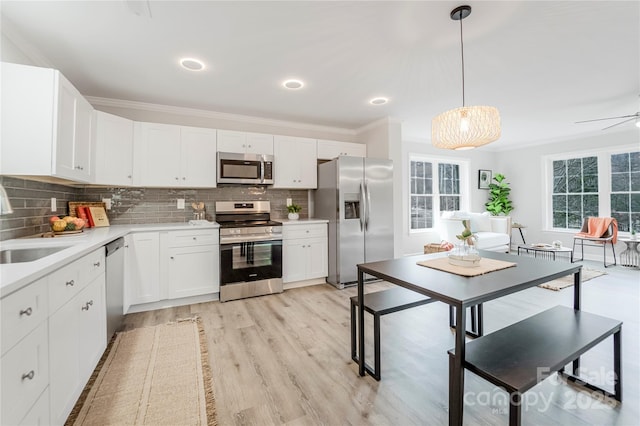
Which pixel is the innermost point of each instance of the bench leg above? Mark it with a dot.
(376, 346)
(515, 409)
(617, 370)
(374, 372)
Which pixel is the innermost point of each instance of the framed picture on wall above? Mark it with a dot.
(484, 179)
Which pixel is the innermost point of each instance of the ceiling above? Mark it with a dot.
(543, 64)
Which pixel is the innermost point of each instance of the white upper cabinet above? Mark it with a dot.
(295, 162)
(198, 156)
(46, 125)
(114, 150)
(328, 150)
(245, 142)
(167, 155)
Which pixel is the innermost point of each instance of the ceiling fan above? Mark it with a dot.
(625, 118)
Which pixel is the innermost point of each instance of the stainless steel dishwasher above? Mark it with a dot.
(115, 285)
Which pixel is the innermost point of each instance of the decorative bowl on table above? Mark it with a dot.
(466, 260)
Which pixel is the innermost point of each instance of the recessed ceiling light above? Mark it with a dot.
(378, 101)
(293, 84)
(192, 64)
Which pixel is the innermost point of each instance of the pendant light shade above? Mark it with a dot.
(466, 127)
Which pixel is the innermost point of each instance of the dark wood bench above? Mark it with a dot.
(381, 303)
(516, 358)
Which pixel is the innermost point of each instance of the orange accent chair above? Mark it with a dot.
(598, 231)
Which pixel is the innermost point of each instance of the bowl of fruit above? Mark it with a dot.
(66, 224)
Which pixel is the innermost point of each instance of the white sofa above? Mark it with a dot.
(493, 232)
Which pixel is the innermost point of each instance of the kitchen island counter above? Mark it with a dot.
(14, 276)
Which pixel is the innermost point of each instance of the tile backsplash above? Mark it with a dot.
(31, 202)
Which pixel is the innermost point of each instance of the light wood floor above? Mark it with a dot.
(284, 359)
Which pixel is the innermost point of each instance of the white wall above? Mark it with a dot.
(9, 52)
(412, 243)
(524, 170)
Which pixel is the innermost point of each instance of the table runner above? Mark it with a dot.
(485, 265)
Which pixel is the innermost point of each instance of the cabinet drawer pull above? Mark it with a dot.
(86, 306)
(70, 283)
(26, 312)
(195, 239)
(29, 375)
(97, 264)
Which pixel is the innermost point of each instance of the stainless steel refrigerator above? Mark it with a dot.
(356, 195)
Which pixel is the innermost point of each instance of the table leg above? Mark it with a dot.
(456, 370)
(522, 235)
(577, 283)
(361, 322)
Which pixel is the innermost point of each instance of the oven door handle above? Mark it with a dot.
(249, 239)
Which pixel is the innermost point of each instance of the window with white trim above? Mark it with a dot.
(435, 186)
(575, 191)
(603, 184)
(625, 190)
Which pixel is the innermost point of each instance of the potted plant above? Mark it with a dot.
(499, 202)
(633, 232)
(294, 209)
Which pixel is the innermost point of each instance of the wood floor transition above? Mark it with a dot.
(284, 359)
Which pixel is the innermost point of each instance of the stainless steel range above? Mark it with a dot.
(250, 249)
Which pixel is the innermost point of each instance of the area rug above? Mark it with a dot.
(567, 281)
(151, 376)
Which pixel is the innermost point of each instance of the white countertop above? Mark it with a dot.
(302, 221)
(14, 276)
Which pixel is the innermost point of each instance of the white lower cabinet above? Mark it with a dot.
(53, 335)
(24, 378)
(304, 252)
(193, 264)
(38, 415)
(142, 268)
(171, 265)
(77, 340)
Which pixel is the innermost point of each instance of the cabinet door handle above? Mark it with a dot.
(184, 178)
(70, 283)
(177, 178)
(26, 312)
(29, 375)
(194, 238)
(128, 176)
(86, 306)
(96, 264)
(171, 258)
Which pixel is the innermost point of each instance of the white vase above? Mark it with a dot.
(293, 216)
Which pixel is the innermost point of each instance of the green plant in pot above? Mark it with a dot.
(293, 210)
(499, 202)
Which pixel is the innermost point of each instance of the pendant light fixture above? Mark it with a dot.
(466, 127)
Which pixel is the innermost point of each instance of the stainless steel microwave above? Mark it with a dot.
(248, 169)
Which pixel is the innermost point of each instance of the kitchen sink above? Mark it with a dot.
(20, 255)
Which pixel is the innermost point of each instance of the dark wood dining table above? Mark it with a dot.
(461, 293)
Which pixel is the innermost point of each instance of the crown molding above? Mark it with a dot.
(377, 123)
(194, 112)
(27, 48)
